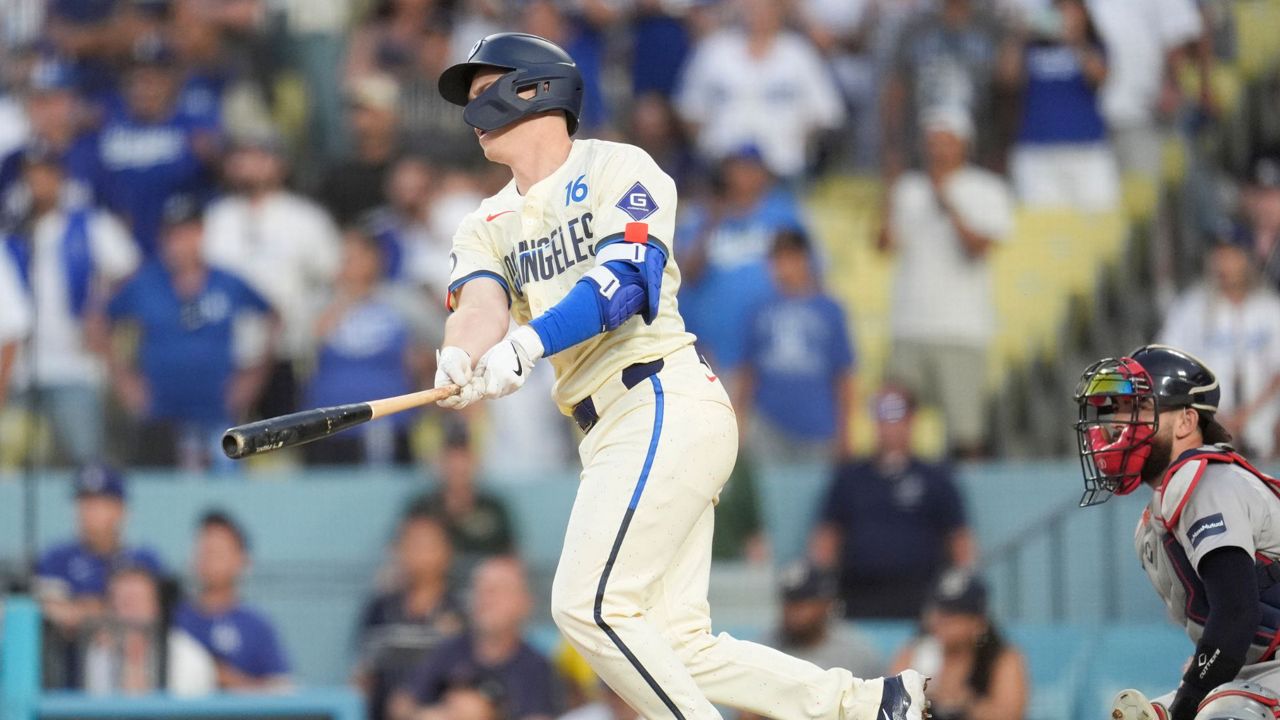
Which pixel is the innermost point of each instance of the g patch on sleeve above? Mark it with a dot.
(638, 203)
(1207, 526)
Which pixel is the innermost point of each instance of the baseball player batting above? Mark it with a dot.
(578, 249)
(1208, 540)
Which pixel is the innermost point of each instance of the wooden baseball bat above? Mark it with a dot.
(304, 427)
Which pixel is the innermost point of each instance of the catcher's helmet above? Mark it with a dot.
(1120, 401)
(535, 63)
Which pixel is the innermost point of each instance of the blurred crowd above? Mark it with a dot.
(448, 631)
(219, 210)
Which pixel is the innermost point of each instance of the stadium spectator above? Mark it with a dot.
(478, 523)
(473, 698)
(798, 345)
(15, 323)
(1146, 42)
(185, 314)
(220, 52)
(283, 245)
(809, 628)
(891, 523)
(1260, 205)
(660, 47)
(943, 223)
(500, 606)
(843, 30)
(354, 186)
(54, 115)
(371, 345)
(1062, 157)
(399, 628)
(71, 577)
(579, 27)
(390, 40)
(410, 250)
(242, 641)
(124, 654)
(1232, 321)
(150, 148)
(655, 128)
(89, 33)
(955, 53)
(759, 84)
(69, 258)
(724, 262)
(432, 127)
(976, 672)
(316, 41)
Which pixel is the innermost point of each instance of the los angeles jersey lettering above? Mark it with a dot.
(538, 246)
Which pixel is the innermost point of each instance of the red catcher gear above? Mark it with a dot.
(1114, 440)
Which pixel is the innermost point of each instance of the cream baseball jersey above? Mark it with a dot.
(537, 246)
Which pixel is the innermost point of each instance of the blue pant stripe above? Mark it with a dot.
(617, 546)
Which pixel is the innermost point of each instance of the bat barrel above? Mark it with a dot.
(289, 430)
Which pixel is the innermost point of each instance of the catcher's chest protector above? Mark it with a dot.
(1171, 572)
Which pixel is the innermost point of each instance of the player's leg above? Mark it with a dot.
(741, 674)
(650, 469)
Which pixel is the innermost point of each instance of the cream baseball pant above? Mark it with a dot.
(630, 591)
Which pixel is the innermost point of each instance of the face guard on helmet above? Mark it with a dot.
(532, 64)
(1118, 419)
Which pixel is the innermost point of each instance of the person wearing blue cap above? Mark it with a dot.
(151, 147)
(892, 522)
(54, 115)
(71, 577)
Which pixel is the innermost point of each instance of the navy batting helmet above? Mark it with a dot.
(535, 63)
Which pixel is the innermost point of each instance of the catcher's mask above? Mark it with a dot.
(1119, 416)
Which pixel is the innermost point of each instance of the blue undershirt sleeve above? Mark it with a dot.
(584, 312)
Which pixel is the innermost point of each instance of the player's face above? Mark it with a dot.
(946, 150)
(501, 145)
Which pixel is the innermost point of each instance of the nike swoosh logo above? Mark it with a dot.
(519, 367)
(489, 218)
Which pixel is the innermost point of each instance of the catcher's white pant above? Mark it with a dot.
(630, 592)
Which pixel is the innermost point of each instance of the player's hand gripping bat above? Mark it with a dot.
(303, 427)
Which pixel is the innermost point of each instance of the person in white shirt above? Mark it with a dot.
(1144, 40)
(1232, 322)
(759, 85)
(284, 245)
(15, 322)
(68, 259)
(943, 222)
